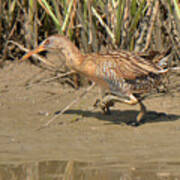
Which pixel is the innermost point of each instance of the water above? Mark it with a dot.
(75, 170)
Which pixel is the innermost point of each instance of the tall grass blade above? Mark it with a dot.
(120, 12)
(63, 28)
(177, 8)
(49, 11)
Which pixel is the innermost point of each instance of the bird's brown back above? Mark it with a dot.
(122, 71)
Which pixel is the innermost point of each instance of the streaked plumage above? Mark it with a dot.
(124, 75)
(122, 68)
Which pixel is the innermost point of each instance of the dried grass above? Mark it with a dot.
(139, 25)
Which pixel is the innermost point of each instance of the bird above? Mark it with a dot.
(123, 76)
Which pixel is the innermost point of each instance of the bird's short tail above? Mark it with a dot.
(163, 59)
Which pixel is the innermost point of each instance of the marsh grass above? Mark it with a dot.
(93, 25)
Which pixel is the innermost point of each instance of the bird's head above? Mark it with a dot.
(59, 44)
(54, 43)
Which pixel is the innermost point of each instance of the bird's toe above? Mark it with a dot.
(135, 123)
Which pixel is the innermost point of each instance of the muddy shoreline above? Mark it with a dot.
(104, 144)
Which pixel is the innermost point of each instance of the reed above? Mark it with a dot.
(93, 25)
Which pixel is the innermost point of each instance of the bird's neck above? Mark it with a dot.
(73, 55)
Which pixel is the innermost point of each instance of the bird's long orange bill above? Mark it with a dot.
(35, 51)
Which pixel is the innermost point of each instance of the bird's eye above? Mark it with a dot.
(47, 42)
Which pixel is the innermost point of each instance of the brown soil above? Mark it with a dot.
(82, 144)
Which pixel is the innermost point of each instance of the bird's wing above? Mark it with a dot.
(126, 65)
(119, 71)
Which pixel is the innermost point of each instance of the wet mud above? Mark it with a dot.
(81, 143)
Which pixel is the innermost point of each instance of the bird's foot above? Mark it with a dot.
(105, 106)
(139, 117)
(96, 104)
(135, 123)
(105, 109)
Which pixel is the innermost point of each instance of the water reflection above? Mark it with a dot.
(74, 170)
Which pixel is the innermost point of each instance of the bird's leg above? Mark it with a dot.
(104, 105)
(107, 101)
(114, 98)
(132, 101)
(98, 100)
(141, 113)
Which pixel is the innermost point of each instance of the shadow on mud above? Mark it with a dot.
(127, 116)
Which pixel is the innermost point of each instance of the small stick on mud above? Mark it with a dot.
(67, 107)
(53, 78)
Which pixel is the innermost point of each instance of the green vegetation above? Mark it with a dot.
(139, 25)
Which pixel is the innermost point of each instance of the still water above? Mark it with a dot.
(75, 170)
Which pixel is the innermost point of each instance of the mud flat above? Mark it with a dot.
(82, 144)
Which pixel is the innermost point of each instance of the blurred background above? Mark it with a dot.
(135, 25)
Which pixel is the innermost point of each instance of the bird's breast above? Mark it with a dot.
(90, 69)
